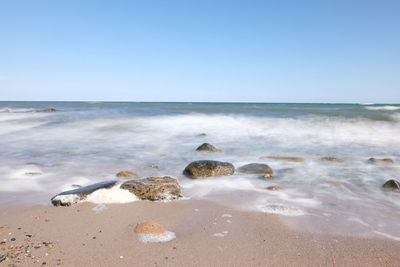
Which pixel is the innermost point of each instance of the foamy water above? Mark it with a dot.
(43, 154)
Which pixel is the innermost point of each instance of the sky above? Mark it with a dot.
(208, 51)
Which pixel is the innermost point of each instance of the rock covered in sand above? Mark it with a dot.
(208, 148)
(392, 184)
(70, 197)
(153, 232)
(154, 188)
(208, 168)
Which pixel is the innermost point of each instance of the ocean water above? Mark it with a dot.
(44, 153)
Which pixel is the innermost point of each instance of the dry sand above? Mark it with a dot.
(206, 235)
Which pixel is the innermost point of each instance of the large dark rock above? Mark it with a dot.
(70, 197)
(154, 188)
(255, 168)
(207, 168)
(392, 184)
(208, 148)
(380, 161)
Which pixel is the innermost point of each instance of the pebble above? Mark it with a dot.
(2, 257)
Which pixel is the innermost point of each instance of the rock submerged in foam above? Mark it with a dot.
(206, 147)
(153, 232)
(208, 168)
(70, 197)
(332, 159)
(380, 161)
(289, 159)
(392, 185)
(154, 188)
(126, 174)
(255, 168)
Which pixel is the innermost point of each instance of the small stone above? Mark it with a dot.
(380, 161)
(332, 159)
(290, 159)
(2, 257)
(392, 184)
(126, 174)
(50, 110)
(208, 168)
(208, 148)
(255, 168)
(273, 187)
(268, 176)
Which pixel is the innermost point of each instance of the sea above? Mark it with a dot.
(81, 143)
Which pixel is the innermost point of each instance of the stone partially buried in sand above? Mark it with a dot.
(392, 185)
(289, 159)
(154, 188)
(208, 168)
(206, 147)
(126, 174)
(153, 232)
(70, 197)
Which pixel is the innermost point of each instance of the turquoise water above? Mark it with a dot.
(82, 143)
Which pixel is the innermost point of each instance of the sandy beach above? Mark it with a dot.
(207, 234)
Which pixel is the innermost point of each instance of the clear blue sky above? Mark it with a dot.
(257, 51)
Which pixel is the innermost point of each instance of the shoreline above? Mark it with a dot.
(207, 234)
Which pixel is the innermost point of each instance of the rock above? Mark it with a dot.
(290, 159)
(70, 197)
(268, 176)
(392, 184)
(2, 257)
(380, 161)
(149, 228)
(274, 187)
(153, 232)
(154, 188)
(255, 168)
(207, 168)
(126, 174)
(154, 166)
(208, 148)
(332, 159)
(49, 110)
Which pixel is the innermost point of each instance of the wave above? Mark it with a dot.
(17, 110)
(390, 108)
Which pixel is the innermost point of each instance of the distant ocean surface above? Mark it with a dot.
(44, 153)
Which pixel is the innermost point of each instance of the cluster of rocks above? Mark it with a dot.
(168, 188)
(152, 188)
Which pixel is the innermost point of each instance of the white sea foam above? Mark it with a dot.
(383, 107)
(111, 195)
(280, 209)
(99, 208)
(157, 238)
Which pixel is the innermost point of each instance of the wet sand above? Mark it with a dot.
(80, 236)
